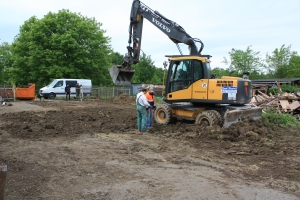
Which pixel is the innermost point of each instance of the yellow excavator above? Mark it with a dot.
(191, 92)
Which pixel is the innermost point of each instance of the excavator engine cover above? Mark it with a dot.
(121, 76)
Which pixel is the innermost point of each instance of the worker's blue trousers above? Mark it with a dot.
(149, 117)
(141, 117)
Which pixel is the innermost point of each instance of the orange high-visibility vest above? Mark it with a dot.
(149, 97)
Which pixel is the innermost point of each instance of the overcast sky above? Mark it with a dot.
(221, 25)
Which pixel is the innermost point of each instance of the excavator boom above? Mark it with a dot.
(122, 74)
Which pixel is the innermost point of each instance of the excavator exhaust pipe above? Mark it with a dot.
(121, 76)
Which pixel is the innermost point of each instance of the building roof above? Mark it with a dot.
(273, 81)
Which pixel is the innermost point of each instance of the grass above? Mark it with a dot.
(282, 119)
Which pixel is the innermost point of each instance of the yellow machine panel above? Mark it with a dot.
(200, 89)
(181, 94)
(192, 114)
(215, 87)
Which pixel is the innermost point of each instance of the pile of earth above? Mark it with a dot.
(259, 150)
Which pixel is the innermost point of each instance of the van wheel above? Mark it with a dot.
(52, 96)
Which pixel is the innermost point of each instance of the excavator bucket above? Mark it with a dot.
(234, 116)
(121, 76)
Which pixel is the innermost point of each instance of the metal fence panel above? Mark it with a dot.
(6, 93)
(109, 92)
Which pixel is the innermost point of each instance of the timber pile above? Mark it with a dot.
(283, 102)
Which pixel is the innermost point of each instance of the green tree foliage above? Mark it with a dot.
(279, 61)
(116, 58)
(61, 45)
(293, 70)
(144, 70)
(243, 61)
(5, 62)
(219, 72)
(158, 76)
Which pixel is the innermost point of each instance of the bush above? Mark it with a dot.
(286, 88)
(274, 117)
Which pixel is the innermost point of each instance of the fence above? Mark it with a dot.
(6, 93)
(109, 92)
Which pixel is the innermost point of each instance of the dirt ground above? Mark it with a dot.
(59, 149)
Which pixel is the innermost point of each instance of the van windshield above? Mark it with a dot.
(52, 83)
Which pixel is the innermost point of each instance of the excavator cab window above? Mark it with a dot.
(180, 75)
(198, 70)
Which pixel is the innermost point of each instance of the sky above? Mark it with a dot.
(221, 25)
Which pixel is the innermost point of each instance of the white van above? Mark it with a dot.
(57, 88)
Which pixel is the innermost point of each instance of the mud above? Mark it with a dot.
(90, 150)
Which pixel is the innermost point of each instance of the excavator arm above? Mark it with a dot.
(122, 74)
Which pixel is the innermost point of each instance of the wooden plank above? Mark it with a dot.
(263, 94)
(284, 104)
(279, 88)
(272, 102)
(294, 105)
(261, 97)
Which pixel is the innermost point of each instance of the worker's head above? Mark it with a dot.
(151, 89)
(144, 90)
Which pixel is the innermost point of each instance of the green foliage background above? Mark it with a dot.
(69, 45)
(61, 45)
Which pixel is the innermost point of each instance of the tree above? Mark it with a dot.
(279, 61)
(219, 72)
(243, 61)
(116, 58)
(158, 76)
(61, 45)
(5, 62)
(144, 70)
(293, 69)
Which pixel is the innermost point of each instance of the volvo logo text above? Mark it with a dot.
(158, 23)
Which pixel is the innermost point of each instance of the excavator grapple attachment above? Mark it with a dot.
(234, 116)
(121, 76)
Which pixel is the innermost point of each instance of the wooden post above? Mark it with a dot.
(3, 170)
(279, 87)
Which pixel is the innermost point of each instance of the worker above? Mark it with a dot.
(182, 75)
(151, 100)
(181, 80)
(141, 107)
(68, 91)
(78, 91)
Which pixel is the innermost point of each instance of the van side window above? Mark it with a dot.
(58, 84)
(71, 83)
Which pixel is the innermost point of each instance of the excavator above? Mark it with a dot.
(191, 92)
